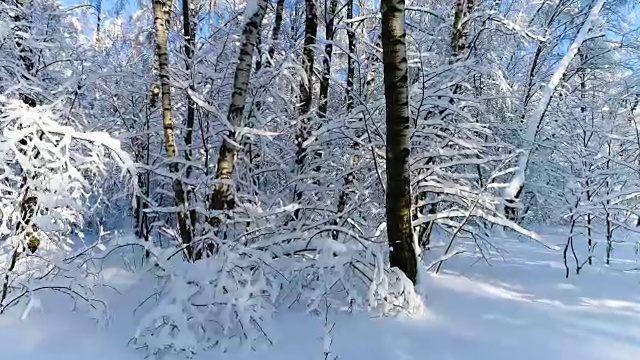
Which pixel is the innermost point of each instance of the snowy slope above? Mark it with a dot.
(519, 308)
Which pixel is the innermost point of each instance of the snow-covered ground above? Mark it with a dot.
(521, 308)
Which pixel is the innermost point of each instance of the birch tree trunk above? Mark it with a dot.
(456, 36)
(516, 185)
(222, 198)
(161, 10)
(402, 253)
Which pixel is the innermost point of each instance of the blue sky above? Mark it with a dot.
(108, 6)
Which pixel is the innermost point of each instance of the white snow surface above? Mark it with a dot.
(520, 307)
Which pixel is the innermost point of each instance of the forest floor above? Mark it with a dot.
(520, 307)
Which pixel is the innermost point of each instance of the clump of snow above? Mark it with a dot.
(250, 9)
(5, 30)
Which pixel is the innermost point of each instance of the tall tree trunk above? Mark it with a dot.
(402, 253)
(259, 49)
(323, 101)
(330, 15)
(189, 27)
(351, 68)
(586, 138)
(189, 46)
(458, 46)
(28, 202)
(26, 56)
(266, 61)
(306, 90)
(349, 178)
(161, 10)
(142, 153)
(276, 31)
(222, 198)
(98, 36)
(516, 185)
(456, 37)
(608, 223)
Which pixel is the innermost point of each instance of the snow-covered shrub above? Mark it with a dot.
(214, 302)
(48, 176)
(227, 300)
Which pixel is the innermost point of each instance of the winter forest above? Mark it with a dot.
(320, 179)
